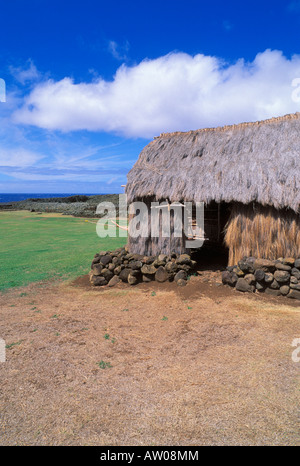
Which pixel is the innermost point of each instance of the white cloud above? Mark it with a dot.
(18, 158)
(170, 93)
(24, 75)
(79, 177)
(118, 51)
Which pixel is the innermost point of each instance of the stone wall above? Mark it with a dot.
(280, 277)
(111, 267)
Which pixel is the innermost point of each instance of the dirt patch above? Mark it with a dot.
(147, 365)
(204, 284)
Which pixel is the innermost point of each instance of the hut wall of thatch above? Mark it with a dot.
(152, 246)
(262, 232)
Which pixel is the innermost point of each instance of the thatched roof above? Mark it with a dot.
(243, 163)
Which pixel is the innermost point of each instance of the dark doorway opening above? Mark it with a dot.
(213, 255)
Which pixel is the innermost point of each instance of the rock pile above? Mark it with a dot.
(111, 267)
(278, 277)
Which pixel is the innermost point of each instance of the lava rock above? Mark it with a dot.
(114, 281)
(281, 276)
(147, 278)
(171, 267)
(149, 259)
(243, 285)
(280, 266)
(259, 275)
(246, 267)
(124, 275)
(183, 259)
(250, 279)
(185, 267)
(132, 280)
(272, 292)
(289, 261)
(181, 275)
(264, 264)
(238, 272)
(106, 259)
(98, 280)
(97, 269)
(107, 274)
(137, 257)
(229, 278)
(148, 269)
(117, 260)
(274, 285)
(161, 275)
(157, 263)
(284, 290)
(181, 282)
(269, 277)
(294, 294)
(162, 257)
(297, 264)
(96, 260)
(135, 265)
(295, 286)
(296, 273)
(230, 268)
(117, 270)
(260, 286)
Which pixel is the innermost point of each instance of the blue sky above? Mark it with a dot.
(89, 84)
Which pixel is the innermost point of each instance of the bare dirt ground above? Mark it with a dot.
(199, 365)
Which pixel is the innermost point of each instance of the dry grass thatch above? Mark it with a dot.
(262, 232)
(152, 246)
(250, 162)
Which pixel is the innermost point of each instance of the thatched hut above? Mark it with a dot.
(248, 176)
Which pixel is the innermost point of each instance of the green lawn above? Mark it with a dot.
(37, 247)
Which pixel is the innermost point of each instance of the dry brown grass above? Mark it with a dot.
(262, 232)
(217, 371)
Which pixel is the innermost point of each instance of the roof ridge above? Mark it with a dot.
(289, 116)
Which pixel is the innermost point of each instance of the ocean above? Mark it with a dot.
(14, 197)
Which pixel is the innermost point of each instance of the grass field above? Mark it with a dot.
(37, 247)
